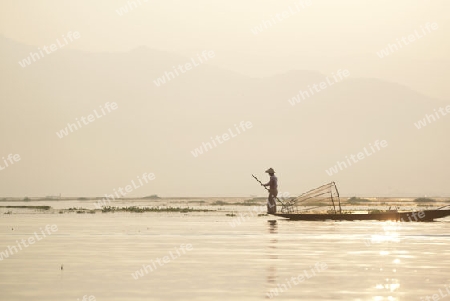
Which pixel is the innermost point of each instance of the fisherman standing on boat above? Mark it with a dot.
(273, 191)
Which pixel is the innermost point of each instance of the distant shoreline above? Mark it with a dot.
(343, 198)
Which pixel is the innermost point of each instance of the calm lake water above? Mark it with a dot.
(100, 253)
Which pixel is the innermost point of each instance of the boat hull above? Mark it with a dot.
(410, 216)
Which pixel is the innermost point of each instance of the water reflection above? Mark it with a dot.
(273, 226)
(272, 255)
(387, 288)
(400, 263)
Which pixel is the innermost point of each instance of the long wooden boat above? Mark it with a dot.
(329, 194)
(406, 216)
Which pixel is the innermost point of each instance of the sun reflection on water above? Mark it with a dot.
(387, 289)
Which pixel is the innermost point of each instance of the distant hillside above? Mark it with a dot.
(155, 128)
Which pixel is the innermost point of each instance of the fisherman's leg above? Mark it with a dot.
(272, 205)
(274, 201)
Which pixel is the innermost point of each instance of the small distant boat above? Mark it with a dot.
(330, 193)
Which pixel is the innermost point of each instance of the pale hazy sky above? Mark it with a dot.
(321, 38)
(327, 27)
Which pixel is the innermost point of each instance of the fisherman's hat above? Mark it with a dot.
(270, 170)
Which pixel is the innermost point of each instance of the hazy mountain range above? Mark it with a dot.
(154, 129)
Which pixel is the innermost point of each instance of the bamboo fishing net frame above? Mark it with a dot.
(327, 192)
